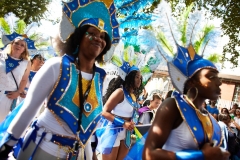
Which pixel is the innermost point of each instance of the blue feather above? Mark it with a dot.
(129, 33)
(134, 6)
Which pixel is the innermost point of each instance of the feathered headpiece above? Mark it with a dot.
(12, 27)
(156, 86)
(128, 60)
(102, 15)
(186, 37)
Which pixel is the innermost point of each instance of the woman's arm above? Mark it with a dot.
(22, 85)
(168, 118)
(115, 98)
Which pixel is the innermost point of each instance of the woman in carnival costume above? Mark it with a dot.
(190, 132)
(14, 72)
(182, 129)
(73, 86)
(119, 113)
(36, 63)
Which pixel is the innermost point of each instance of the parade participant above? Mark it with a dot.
(119, 114)
(14, 71)
(182, 128)
(169, 140)
(36, 63)
(73, 86)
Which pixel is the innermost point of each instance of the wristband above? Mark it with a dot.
(118, 121)
(190, 155)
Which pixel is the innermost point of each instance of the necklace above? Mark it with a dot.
(204, 119)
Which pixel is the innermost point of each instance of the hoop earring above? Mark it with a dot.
(76, 51)
(188, 92)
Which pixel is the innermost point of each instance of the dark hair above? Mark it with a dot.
(128, 84)
(222, 117)
(224, 109)
(36, 56)
(195, 77)
(75, 39)
(156, 96)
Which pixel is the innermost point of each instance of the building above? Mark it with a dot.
(230, 88)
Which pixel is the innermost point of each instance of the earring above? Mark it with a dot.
(188, 92)
(76, 51)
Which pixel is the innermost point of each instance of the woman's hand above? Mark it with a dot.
(211, 152)
(128, 125)
(13, 95)
(23, 95)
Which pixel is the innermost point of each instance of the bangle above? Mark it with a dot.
(190, 155)
(118, 121)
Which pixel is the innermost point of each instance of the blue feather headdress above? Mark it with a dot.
(102, 15)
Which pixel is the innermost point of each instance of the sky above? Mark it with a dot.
(55, 12)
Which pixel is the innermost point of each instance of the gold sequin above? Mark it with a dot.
(195, 128)
(178, 79)
(62, 90)
(61, 111)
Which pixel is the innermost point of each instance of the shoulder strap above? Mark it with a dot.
(14, 80)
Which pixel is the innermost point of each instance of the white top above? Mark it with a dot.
(40, 88)
(180, 139)
(145, 118)
(7, 82)
(123, 109)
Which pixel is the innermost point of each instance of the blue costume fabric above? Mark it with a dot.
(107, 132)
(189, 115)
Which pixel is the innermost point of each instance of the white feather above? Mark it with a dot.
(11, 19)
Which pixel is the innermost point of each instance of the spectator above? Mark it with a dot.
(212, 109)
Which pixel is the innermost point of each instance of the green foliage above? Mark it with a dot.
(29, 11)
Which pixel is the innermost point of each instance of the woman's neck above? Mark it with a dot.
(15, 56)
(34, 68)
(197, 102)
(86, 65)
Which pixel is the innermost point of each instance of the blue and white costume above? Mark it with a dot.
(110, 134)
(58, 123)
(7, 83)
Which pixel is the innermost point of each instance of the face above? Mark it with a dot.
(38, 62)
(224, 111)
(208, 84)
(93, 43)
(237, 111)
(155, 103)
(18, 47)
(138, 79)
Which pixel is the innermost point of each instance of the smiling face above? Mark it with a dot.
(208, 84)
(92, 43)
(18, 47)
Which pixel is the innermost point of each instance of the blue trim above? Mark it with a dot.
(190, 155)
(191, 118)
(11, 64)
(61, 104)
(118, 121)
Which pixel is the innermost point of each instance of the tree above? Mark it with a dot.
(229, 11)
(27, 10)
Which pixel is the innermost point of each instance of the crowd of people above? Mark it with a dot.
(78, 120)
